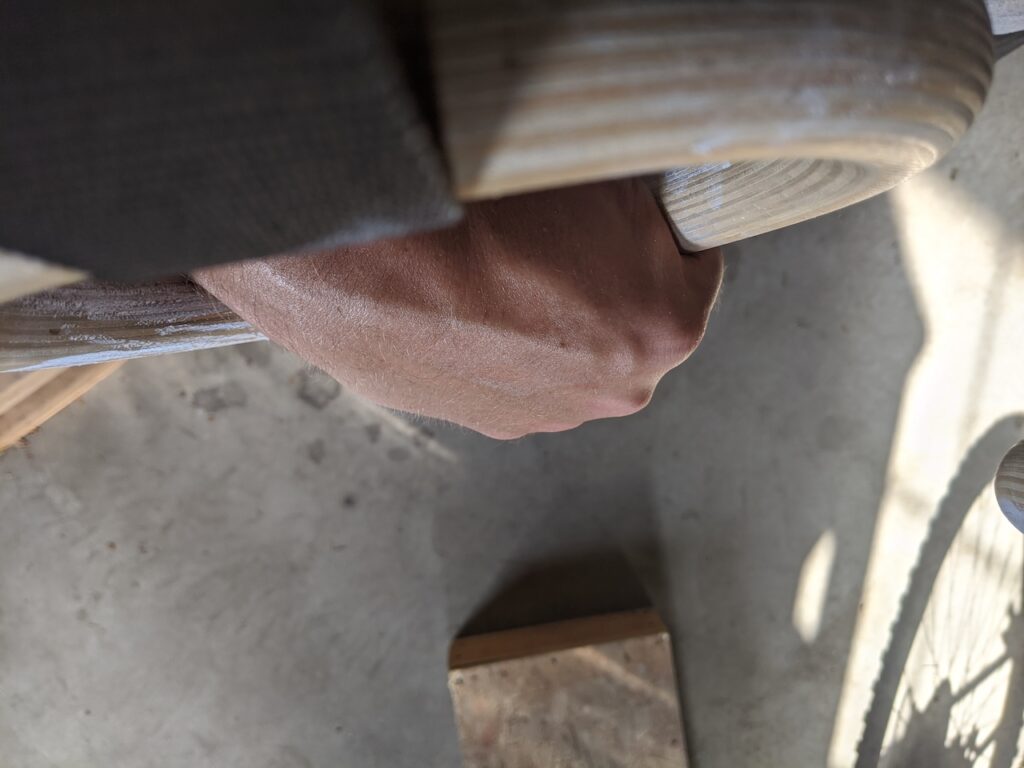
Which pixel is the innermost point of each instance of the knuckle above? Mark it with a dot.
(658, 344)
(640, 399)
(675, 327)
(621, 404)
(555, 426)
(636, 401)
(500, 434)
(670, 342)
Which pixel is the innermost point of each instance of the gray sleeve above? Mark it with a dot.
(141, 139)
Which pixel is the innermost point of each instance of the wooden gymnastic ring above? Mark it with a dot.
(771, 113)
(750, 115)
(92, 322)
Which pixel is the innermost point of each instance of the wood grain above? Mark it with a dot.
(547, 638)
(1009, 486)
(594, 692)
(92, 322)
(747, 115)
(30, 399)
(778, 111)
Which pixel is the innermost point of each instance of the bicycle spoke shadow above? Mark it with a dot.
(925, 740)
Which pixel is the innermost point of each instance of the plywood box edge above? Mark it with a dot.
(491, 647)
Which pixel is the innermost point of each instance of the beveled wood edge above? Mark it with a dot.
(488, 648)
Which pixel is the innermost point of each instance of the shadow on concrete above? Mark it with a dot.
(262, 597)
(586, 585)
(544, 530)
(788, 415)
(776, 432)
(973, 478)
(931, 735)
(926, 737)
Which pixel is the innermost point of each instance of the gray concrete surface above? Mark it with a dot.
(224, 559)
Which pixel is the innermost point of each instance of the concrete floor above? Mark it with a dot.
(224, 559)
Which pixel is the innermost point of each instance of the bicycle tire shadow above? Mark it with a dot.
(924, 741)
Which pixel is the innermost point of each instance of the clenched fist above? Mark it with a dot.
(535, 314)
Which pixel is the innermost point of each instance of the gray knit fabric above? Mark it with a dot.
(141, 138)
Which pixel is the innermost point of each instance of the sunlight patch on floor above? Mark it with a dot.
(967, 271)
(809, 603)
